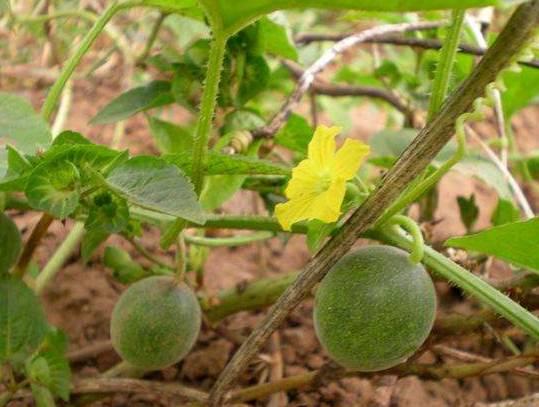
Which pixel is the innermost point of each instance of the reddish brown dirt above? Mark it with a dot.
(82, 296)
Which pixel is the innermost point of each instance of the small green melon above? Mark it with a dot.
(155, 322)
(374, 309)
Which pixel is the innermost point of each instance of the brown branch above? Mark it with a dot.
(308, 77)
(422, 43)
(412, 162)
(122, 385)
(435, 372)
(39, 231)
(338, 90)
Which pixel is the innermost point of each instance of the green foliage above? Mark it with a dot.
(514, 242)
(231, 19)
(505, 212)
(295, 134)
(223, 164)
(154, 94)
(22, 321)
(469, 211)
(170, 138)
(10, 243)
(275, 38)
(49, 367)
(21, 127)
(522, 88)
(152, 183)
(54, 187)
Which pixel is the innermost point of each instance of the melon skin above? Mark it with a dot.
(155, 323)
(374, 309)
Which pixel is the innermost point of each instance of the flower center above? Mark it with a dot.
(324, 182)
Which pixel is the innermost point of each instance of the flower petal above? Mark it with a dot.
(305, 180)
(327, 206)
(293, 211)
(349, 157)
(322, 146)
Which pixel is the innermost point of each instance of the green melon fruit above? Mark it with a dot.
(374, 309)
(155, 322)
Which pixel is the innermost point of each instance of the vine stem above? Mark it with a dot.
(448, 54)
(228, 241)
(59, 257)
(207, 108)
(417, 251)
(54, 94)
(203, 128)
(411, 163)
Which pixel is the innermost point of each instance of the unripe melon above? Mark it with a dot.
(374, 309)
(155, 322)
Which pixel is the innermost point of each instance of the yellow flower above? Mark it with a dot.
(318, 183)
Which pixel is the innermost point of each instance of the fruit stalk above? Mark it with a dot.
(411, 163)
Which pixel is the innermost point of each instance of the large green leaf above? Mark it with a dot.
(233, 17)
(135, 100)
(223, 164)
(21, 127)
(152, 183)
(171, 6)
(10, 243)
(516, 243)
(22, 321)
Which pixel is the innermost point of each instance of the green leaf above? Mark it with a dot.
(469, 212)
(255, 78)
(275, 38)
(108, 213)
(505, 212)
(42, 396)
(152, 183)
(21, 127)
(136, 100)
(296, 134)
(486, 171)
(223, 164)
(522, 88)
(59, 380)
(242, 119)
(70, 137)
(516, 243)
(22, 321)
(232, 19)
(171, 6)
(91, 240)
(170, 138)
(54, 187)
(10, 243)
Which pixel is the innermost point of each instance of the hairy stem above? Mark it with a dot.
(410, 164)
(445, 64)
(207, 109)
(74, 60)
(228, 241)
